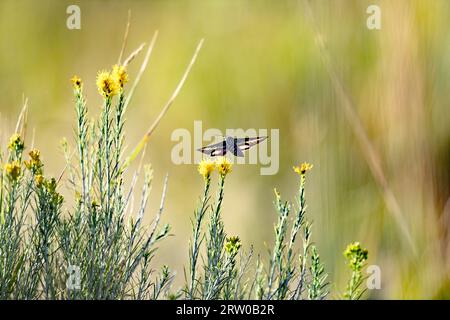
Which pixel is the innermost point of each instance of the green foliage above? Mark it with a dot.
(227, 275)
(317, 288)
(103, 238)
(356, 257)
(99, 235)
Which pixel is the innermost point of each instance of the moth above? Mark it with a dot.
(231, 144)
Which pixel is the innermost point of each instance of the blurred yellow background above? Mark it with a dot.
(260, 67)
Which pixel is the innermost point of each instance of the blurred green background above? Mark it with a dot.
(260, 67)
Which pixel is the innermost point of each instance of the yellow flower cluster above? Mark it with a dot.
(95, 204)
(356, 255)
(110, 83)
(34, 164)
(120, 75)
(13, 170)
(15, 143)
(303, 168)
(39, 180)
(223, 166)
(232, 245)
(77, 83)
(106, 84)
(207, 166)
(48, 186)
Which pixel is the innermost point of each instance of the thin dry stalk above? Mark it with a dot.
(125, 38)
(164, 110)
(143, 66)
(22, 120)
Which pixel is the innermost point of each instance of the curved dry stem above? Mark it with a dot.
(22, 119)
(143, 66)
(125, 38)
(164, 110)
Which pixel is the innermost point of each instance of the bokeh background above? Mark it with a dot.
(260, 67)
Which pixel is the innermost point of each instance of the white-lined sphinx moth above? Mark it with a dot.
(231, 144)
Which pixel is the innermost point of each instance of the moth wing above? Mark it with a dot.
(216, 149)
(247, 143)
(218, 152)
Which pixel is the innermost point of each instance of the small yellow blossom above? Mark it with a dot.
(106, 84)
(39, 180)
(35, 164)
(78, 197)
(13, 170)
(119, 75)
(303, 168)
(95, 204)
(35, 155)
(49, 188)
(205, 167)
(223, 166)
(77, 83)
(356, 255)
(50, 185)
(232, 245)
(16, 143)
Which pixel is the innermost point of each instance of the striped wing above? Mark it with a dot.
(247, 142)
(216, 149)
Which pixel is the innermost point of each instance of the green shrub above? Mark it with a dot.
(42, 239)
